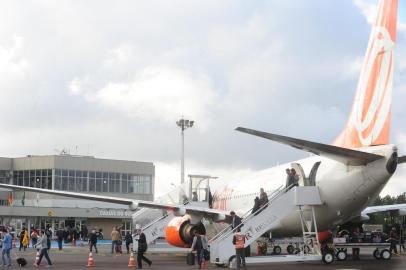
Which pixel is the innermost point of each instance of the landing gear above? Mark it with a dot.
(277, 250)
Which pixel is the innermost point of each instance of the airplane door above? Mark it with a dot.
(299, 170)
(303, 180)
(312, 175)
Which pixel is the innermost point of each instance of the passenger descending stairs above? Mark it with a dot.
(281, 204)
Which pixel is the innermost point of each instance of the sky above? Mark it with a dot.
(111, 78)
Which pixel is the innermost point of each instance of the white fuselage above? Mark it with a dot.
(345, 190)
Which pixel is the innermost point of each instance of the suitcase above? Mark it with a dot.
(190, 258)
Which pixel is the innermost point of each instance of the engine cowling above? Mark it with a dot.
(179, 231)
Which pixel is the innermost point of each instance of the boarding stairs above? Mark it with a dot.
(157, 227)
(282, 204)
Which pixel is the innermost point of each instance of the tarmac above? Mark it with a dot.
(76, 258)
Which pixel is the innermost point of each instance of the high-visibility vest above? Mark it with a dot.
(239, 240)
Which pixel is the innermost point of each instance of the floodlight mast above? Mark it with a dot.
(183, 124)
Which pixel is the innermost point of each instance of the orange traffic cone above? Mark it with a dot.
(203, 263)
(90, 261)
(131, 262)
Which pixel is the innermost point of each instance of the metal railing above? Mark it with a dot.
(248, 215)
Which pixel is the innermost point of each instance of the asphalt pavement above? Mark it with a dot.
(77, 257)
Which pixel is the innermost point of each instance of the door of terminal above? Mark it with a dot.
(69, 223)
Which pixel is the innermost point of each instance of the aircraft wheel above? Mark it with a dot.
(277, 250)
(377, 254)
(290, 249)
(385, 254)
(341, 255)
(328, 258)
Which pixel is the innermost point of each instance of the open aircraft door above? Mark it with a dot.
(303, 180)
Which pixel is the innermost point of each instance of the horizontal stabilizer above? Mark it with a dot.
(340, 154)
(402, 159)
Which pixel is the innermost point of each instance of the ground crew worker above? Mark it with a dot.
(239, 242)
(393, 239)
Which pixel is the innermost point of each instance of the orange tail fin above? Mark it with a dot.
(369, 121)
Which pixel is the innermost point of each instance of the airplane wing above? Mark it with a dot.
(340, 154)
(215, 214)
(400, 209)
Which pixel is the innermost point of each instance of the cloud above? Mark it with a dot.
(155, 93)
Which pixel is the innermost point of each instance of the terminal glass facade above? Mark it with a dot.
(111, 182)
(33, 178)
(81, 181)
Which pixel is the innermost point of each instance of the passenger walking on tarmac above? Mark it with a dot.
(128, 241)
(199, 245)
(7, 245)
(263, 198)
(42, 245)
(22, 235)
(256, 205)
(59, 237)
(393, 239)
(239, 242)
(93, 241)
(142, 247)
(235, 220)
(34, 237)
(26, 239)
(115, 238)
(48, 234)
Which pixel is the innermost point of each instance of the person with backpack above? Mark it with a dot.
(199, 245)
(93, 241)
(48, 234)
(142, 247)
(128, 241)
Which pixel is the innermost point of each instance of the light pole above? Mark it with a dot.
(183, 124)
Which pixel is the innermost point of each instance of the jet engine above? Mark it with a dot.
(179, 231)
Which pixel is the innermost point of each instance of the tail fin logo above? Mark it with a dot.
(369, 121)
(373, 104)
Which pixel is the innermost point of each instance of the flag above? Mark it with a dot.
(23, 199)
(10, 199)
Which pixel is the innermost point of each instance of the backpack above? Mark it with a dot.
(21, 262)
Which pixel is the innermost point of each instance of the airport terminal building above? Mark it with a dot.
(85, 174)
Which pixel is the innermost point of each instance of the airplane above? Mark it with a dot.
(350, 172)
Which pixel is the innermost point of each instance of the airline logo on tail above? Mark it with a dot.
(369, 122)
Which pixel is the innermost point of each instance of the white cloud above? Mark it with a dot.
(155, 93)
(12, 61)
(368, 9)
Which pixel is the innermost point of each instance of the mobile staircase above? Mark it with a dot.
(282, 204)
